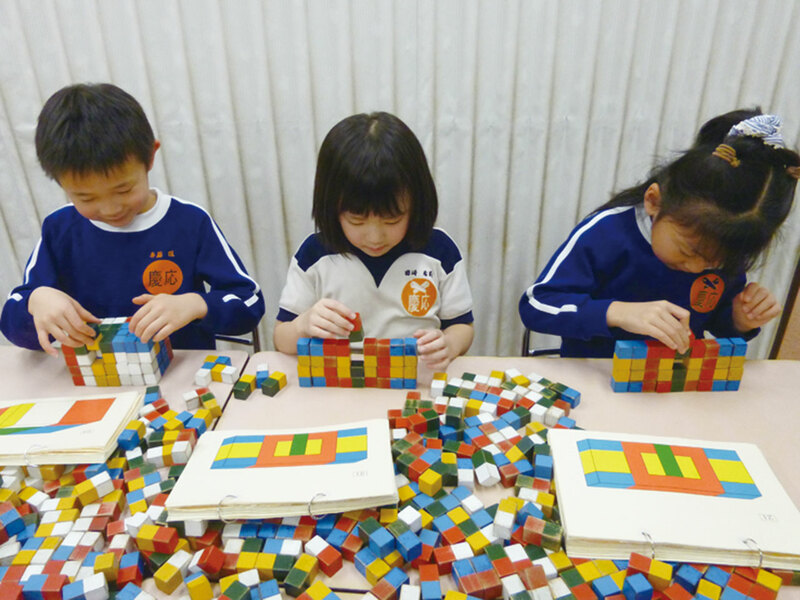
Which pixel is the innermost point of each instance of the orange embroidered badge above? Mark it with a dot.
(162, 277)
(418, 296)
(706, 292)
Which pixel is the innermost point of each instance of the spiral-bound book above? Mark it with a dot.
(675, 499)
(249, 474)
(77, 430)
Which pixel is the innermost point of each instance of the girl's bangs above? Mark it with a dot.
(382, 199)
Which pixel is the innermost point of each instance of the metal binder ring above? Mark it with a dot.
(751, 543)
(219, 508)
(25, 457)
(310, 502)
(652, 544)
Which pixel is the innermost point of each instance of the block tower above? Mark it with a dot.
(713, 365)
(117, 357)
(358, 361)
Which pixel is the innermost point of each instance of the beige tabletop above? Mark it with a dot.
(765, 410)
(27, 375)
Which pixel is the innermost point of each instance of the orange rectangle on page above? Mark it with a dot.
(86, 411)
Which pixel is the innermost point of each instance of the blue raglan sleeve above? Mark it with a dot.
(234, 299)
(41, 269)
(560, 301)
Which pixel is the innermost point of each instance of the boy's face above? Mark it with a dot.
(113, 198)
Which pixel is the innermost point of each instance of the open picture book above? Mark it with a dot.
(677, 499)
(249, 474)
(56, 431)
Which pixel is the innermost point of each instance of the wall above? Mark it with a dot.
(531, 112)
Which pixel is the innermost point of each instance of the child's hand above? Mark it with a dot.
(753, 307)
(662, 320)
(326, 319)
(162, 314)
(433, 349)
(58, 314)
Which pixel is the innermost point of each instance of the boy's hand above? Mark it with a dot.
(326, 319)
(662, 320)
(60, 315)
(753, 307)
(162, 314)
(433, 349)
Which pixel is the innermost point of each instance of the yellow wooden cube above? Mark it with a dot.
(660, 575)
(265, 563)
(376, 571)
(430, 482)
(167, 578)
(199, 588)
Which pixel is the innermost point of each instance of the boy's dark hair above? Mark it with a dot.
(91, 128)
(734, 211)
(367, 164)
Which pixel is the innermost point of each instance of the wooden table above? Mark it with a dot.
(765, 410)
(28, 375)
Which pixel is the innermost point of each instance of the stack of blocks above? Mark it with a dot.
(215, 368)
(710, 365)
(117, 357)
(269, 383)
(375, 363)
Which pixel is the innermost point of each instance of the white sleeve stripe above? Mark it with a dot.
(562, 256)
(225, 246)
(249, 302)
(32, 262)
(15, 297)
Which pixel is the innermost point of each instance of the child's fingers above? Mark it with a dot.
(85, 315)
(142, 299)
(768, 308)
(338, 308)
(140, 321)
(44, 342)
(77, 328)
(672, 333)
(323, 319)
(433, 356)
(425, 336)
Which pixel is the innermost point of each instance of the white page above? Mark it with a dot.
(607, 522)
(265, 490)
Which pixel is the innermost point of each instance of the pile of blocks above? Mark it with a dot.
(215, 368)
(64, 533)
(373, 363)
(269, 383)
(117, 357)
(710, 365)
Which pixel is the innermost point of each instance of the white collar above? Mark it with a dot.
(645, 223)
(144, 221)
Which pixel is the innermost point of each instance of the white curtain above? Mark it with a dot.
(531, 112)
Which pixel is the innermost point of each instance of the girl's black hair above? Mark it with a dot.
(368, 164)
(91, 128)
(734, 211)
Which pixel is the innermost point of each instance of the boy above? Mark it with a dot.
(122, 248)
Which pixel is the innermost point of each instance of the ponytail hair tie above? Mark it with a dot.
(765, 127)
(728, 154)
